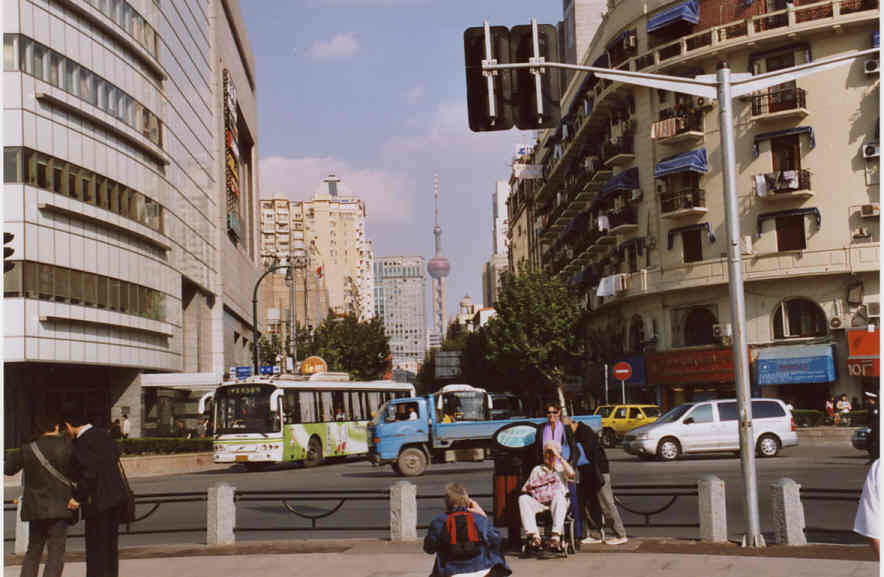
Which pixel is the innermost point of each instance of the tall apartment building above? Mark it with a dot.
(495, 266)
(129, 152)
(630, 209)
(400, 301)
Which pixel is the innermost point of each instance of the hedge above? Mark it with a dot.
(816, 418)
(154, 446)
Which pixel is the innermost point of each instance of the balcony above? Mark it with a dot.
(779, 102)
(619, 151)
(689, 202)
(677, 129)
(624, 221)
(782, 185)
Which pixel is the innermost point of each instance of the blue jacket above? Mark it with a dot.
(488, 556)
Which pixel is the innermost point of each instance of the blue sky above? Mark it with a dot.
(374, 90)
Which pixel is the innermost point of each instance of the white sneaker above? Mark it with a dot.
(590, 541)
(616, 541)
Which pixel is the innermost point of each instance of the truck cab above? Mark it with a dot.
(394, 432)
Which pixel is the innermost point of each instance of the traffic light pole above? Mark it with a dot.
(725, 87)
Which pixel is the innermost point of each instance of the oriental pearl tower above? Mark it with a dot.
(438, 268)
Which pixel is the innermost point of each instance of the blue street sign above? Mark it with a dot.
(266, 369)
(243, 372)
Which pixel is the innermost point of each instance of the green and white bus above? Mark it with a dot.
(260, 421)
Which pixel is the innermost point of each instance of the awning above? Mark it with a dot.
(699, 226)
(694, 161)
(626, 180)
(777, 133)
(796, 364)
(876, 39)
(865, 352)
(686, 11)
(793, 212)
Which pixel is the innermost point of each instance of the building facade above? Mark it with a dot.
(495, 266)
(116, 189)
(400, 297)
(630, 209)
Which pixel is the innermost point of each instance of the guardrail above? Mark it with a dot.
(844, 495)
(673, 492)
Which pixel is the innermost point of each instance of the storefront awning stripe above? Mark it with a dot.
(694, 160)
(796, 364)
(686, 12)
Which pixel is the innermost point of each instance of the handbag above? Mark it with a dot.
(127, 510)
(74, 513)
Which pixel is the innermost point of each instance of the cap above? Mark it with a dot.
(871, 395)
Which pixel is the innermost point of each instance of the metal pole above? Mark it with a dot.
(536, 71)
(489, 76)
(293, 346)
(606, 383)
(623, 391)
(753, 537)
(256, 334)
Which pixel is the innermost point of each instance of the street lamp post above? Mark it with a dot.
(256, 334)
(725, 87)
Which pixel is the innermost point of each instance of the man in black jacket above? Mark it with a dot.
(101, 493)
(595, 482)
(46, 500)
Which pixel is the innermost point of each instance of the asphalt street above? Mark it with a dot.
(817, 466)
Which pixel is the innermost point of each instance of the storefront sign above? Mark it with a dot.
(690, 367)
(312, 365)
(865, 350)
(796, 364)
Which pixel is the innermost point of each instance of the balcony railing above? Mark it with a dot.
(779, 99)
(685, 123)
(622, 220)
(683, 200)
(618, 148)
(783, 184)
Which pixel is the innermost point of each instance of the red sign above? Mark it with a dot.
(622, 371)
(865, 349)
(689, 367)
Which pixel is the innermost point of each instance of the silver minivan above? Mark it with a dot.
(712, 426)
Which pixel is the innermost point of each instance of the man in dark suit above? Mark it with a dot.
(46, 500)
(101, 492)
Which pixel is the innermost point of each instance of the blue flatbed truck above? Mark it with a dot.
(411, 445)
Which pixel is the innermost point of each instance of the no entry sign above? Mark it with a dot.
(622, 371)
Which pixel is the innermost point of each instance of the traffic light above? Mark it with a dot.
(480, 117)
(7, 251)
(524, 91)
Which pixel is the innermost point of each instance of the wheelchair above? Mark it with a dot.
(570, 543)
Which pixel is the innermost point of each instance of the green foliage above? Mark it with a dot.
(455, 337)
(270, 348)
(347, 344)
(425, 381)
(534, 338)
(163, 445)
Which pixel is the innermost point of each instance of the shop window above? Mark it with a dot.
(698, 327)
(799, 318)
(790, 233)
(692, 245)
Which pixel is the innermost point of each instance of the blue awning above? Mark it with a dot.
(777, 133)
(687, 11)
(694, 160)
(626, 180)
(796, 364)
(617, 39)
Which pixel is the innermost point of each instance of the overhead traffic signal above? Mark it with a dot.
(481, 117)
(526, 114)
(7, 252)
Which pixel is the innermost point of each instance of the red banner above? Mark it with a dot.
(690, 367)
(865, 350)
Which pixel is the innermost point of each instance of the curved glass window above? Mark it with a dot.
(799, 318)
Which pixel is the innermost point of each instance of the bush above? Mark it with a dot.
(164, 445)
(808, 418)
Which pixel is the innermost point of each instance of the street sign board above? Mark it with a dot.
(243, 372)
(266, 369)
(622, 371)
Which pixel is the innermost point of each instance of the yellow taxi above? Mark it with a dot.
(617, 420)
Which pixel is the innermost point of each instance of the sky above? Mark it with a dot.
(375, 91)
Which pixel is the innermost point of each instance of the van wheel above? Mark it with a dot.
(314, 452)
(768, 446)
(609, 438)
(668, 449)
(412, 462)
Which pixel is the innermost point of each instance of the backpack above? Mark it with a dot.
(463, 537)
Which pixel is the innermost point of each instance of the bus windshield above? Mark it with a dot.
(244, 409)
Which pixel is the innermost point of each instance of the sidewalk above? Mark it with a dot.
(376, 558)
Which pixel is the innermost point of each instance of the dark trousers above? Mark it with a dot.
(52, 534)
(102, 532)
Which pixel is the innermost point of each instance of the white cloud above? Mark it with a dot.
(340, 47)
(383, 192)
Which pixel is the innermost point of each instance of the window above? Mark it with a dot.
(635, 413)
(10, 52)
(38, 54)
(702, 414)
(12, 281)
(728, 411)
(12, 164)
(790, 233)
(799, 318)
(76, 287)
(636, 333)
(55, 65)
(767, 410)
(124, 297)
(308, 407)
(102, 292)
(113, 294)
(62, 284)
(785, 152)
(632, 258)
(90, 289)
(46, 279)
(698, 327)
(69, 76)
(57, 176)
(42, 173)
(620, 413)
(691, 245)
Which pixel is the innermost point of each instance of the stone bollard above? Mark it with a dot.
(221, 514)
(713, 509)
(788, 513)
(21, 530)
(403, 512)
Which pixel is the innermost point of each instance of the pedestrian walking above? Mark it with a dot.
(47, 496)
(125, 426)
(101, 492)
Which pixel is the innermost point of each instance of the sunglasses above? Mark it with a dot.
(552, 412)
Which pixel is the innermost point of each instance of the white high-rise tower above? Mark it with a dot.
(438, 268)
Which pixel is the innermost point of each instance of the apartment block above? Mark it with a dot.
(400, 300)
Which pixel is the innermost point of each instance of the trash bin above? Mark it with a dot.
(513, 447)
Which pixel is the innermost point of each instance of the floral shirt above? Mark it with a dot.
(545, 483)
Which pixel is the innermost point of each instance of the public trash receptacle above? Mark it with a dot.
(513, 446)
(507, 482)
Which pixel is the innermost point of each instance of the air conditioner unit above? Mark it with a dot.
(871, 150)
(873, 309)
(870, 210)
(720, 331)
(835, 323)
(629, 42)
(701, 102)
(872, 66)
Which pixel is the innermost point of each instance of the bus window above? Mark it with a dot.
(355, 408)
(328, 409)
(292, 407)
(374, 401)
(308, 407)
(338, 403)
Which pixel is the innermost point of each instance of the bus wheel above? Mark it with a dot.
(412, 462)
(314, 453)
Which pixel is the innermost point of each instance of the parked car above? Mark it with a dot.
(617, 420)
(712, 426)
(862, 439)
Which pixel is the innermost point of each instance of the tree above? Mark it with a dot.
(359, 348)
(425, 381)
(455, 337)
(534, 337)
(269, 348)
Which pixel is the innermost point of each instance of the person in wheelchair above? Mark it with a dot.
(546, 488)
